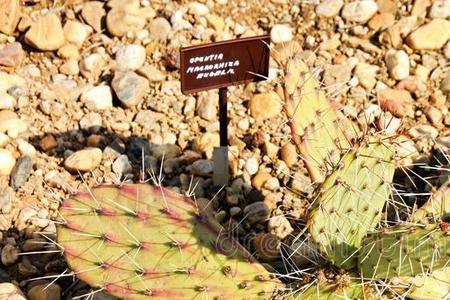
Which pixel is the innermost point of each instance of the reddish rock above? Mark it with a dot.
(11, 55)
(397, 102)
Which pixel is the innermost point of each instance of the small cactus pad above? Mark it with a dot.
(142, 242)
(435, 208)
(316, 130)
(404, 251)
(351, 200)
(435, 285)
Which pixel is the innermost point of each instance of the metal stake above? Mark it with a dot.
(220, 155)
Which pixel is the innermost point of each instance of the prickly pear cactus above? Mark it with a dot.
(435, 208)
(404, 251)
(316, 130)
(140, 242)
(351, 200)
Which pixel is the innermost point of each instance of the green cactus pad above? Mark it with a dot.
(316, 130)
(435, 208)
(404, 251)
(350, 201)
(142, 242)
(435, 285)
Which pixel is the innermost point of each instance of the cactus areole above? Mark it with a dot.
(143, 242)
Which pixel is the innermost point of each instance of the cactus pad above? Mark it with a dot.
(350, 201)
(404, 251)
(437, 206)
(142, 242)
(350, 291)
(316, 130)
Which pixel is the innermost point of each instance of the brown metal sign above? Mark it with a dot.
(221, 64)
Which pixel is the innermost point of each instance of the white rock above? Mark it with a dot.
(280, 33)
(388, 123)
(7, 101)
(98, 97)
(4, 140)
(7, 162)
(160, 29)
(9, 291)
(423, 131)
(92, 65)
(397, 63)
(440, 9)
(197, 8)
(206, 106)
(252, 166)
(279, 226)
(130, 57)
(329, 8)
(26, 148)
(359, 11)
(122, 166)
(447, 51)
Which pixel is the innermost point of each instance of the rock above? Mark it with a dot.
(93, 12)
(48, 142)
(265, 106)
(11, 55)
(8, 81)
(69, 51)
(83, 160)
(329, 8)
(98, 97)
(381, 21)
(91, 122)
(267, 247)
(70, 67)
(130, 88)
(272, 184)
(7, 101)
(26, 148)
(445, 84)
(206, 143)
(259, 179)
(397, 63)
(45, 292)
(130, 57)
(203, 167)
(430, 36)
(434, 115)
(9, 291)
(11, 124)
(9, 16)
(46, 33)
(359, 11)
(367, 75)
(122, 166)
(440, 9)
(10, 254)
(92, 66)
(160, 29)
(21, 171)
(279, 226)
(197, 8)
(447, 51)
(388, 123)
(120, 20)
(289, 155)
(256, 212)
(217, 22)
(397, 102)
(76, 32)
(4, 140)
(166, 150)
(7, 162)
(281, 33)
(423, 131)
(251, 166)
(207, 106)
(152, 73)
(388, 6)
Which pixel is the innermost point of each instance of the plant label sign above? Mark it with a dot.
(221, 64)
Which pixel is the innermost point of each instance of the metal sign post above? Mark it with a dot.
(219, 65)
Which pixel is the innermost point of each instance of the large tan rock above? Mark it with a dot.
(430, 36)
(9, 15)
(83, 160)
(264, 106)
(46, 33)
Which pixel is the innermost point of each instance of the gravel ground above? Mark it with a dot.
(87, 87)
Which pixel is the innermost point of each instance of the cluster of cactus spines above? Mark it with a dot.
(436, 207)
(404, 251)
(315, 128)
(141, 242)
(351, 199)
